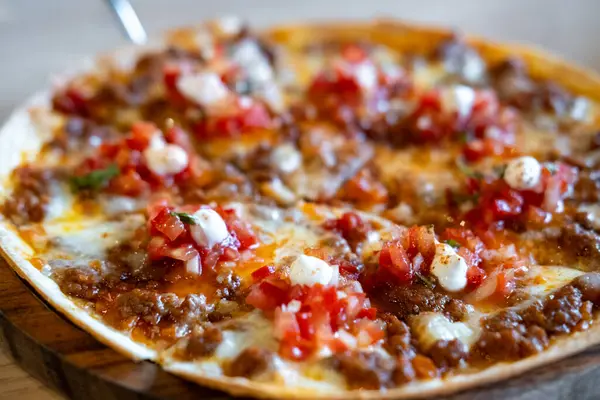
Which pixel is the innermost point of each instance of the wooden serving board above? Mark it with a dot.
(71, 361)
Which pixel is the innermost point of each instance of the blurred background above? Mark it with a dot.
(38, 37)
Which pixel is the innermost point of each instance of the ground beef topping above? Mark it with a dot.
(250, 362)
(579, 244)
(589, 286)
(448, 354)
(77, 283)
(587, 187)
(512, 335)
(203, 343)
(31, 196)
(126, 303)
(365, 370)
(403, 301)
(398, 337)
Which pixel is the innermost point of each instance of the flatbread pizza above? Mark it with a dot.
(359, 210)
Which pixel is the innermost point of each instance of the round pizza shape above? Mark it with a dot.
(359, 210)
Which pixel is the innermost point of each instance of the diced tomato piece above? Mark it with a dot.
(177, 136)
(267, 296)
(229, 254)
(128, 183)
(347, 269)
(394, 260)
(354, 53)
(364, 188)
(509, 205)
(295, 351)
(157, 247)
(305, 323)
(369, 313)
(168, 224)
(464, 237)
(470, 257)
(285, 325)
(420, 240)
(373, 330)
(354, 303)
(498, 285)
(240, 120)
(263, 272)
(351, 226)
(171, 73)
(475, 277)
(505, 284)
(255, 116)
(537, 216)
(155, 208)
(336, 86)
(182, 253)
(243, 232)
(141, 134)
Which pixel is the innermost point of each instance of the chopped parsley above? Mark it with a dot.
(500, 170)
(465, 169)
(426, 281)
(461, 198)
(95, 179)
(185, 217)
(453, 243)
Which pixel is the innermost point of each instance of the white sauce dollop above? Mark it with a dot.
(523, 173)
(286, 158)
(449, 268)
(165, 159)
(459, 99)
(210, 229)
(308, 270)
(204, 88)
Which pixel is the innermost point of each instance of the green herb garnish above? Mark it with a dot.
(95, 179)
(453, 243)
(185, 217)
(426, 281)
(552, 168)
(463, 137)
(465, 169)
(460, 198)
(500, 170)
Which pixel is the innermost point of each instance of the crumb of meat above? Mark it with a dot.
(250, 362)
(202, 343)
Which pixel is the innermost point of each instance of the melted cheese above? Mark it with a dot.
(90, 237)
(308, 270)
(542, 280)
(424, 172)
(61, 201)
(255, 331)
(430, 327)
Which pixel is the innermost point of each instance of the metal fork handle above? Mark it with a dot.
(130, 23)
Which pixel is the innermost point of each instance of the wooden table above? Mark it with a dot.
(40, 37)
(16, 383)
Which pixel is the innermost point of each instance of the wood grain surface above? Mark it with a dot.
(70, 361)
